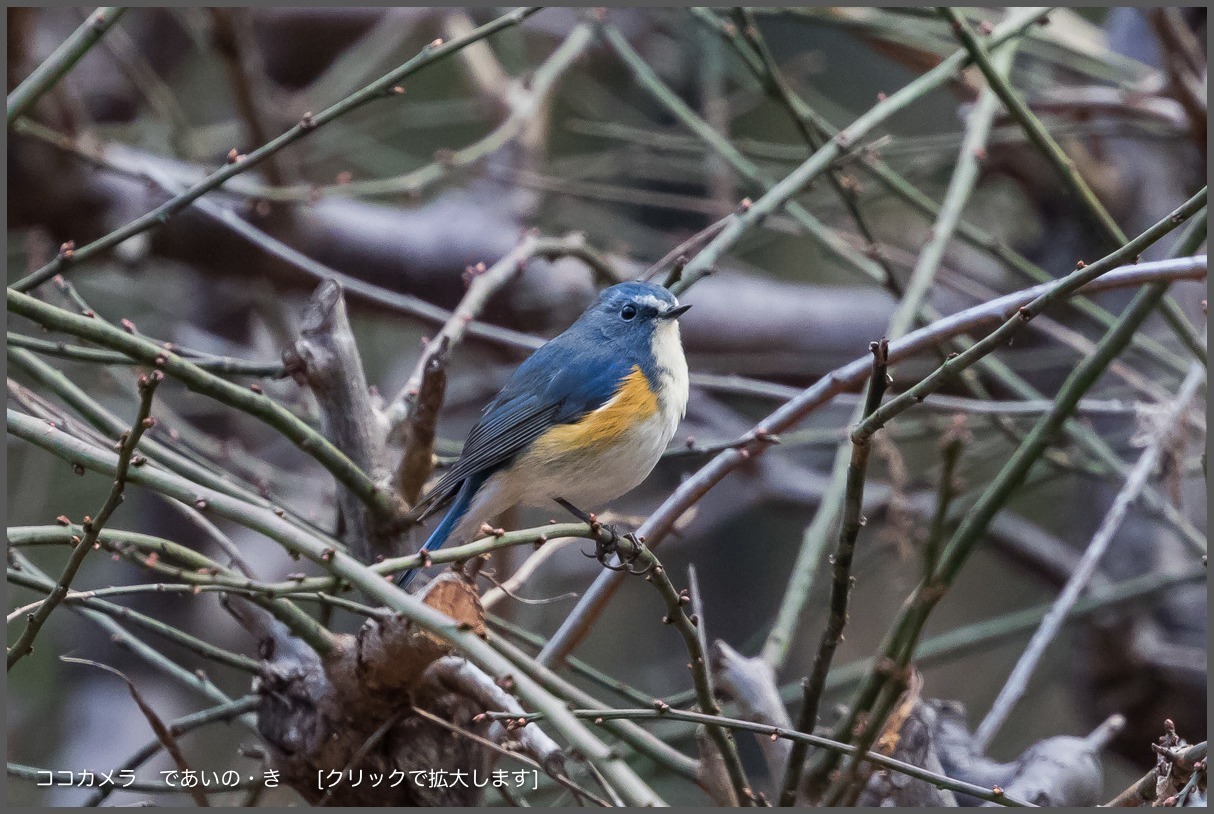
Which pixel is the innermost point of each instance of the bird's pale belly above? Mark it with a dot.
(603, 455)
(587, 478)
(590, 462)
(590, 476)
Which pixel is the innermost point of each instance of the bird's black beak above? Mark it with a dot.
(675, 313)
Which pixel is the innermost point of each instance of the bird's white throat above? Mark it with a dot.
(672, 369)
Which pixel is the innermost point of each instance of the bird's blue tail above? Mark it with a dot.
(459, 507)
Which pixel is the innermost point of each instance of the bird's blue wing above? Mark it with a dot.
(463, 500)
(546, 390)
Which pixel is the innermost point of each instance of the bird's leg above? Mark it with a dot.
(603, 549)
(575, 511)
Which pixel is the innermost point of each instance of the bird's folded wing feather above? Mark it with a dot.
(542, 393)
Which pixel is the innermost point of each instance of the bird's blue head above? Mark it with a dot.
(634, 323)
(631, 311)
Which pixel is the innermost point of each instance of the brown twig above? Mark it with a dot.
(524, 572)
(163, 734)
(691, 629)
(841, 582)
(417, 460)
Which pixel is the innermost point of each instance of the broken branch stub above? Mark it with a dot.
(325, 358)
(330, 721)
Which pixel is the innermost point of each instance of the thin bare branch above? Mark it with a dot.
(93, 525)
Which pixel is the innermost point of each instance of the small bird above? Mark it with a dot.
(582, 421)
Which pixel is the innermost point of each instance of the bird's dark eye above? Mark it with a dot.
(628, 312)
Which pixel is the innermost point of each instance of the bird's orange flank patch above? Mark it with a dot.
(632, 403)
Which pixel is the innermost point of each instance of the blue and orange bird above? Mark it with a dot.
(582, 421)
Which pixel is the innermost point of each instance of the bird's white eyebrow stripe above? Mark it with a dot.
(649, 299)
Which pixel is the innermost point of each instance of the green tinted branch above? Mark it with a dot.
(64, 58)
